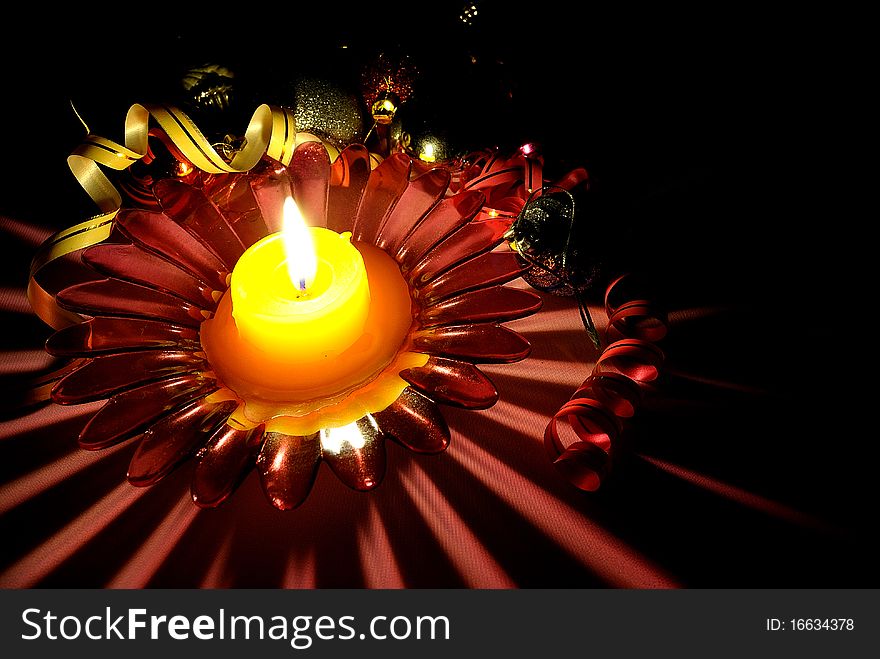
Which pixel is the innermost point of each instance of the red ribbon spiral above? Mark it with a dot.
(613, 390)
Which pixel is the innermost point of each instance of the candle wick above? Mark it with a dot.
(302, 284)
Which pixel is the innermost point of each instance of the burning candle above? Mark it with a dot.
(301, 295)
(311, 317)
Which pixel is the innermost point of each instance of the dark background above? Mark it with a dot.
(718, 143)
(720, 132)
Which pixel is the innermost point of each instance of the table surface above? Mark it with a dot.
(735, 472)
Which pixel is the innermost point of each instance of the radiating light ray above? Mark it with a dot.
(558, 349)
(23, 362)
(218, 574)
(739, 495)
(45, 418)
(373, 541)
(471, 559)
(528, 400)
(300, 573)
(566, 318)
(26, 487)
(588, 543)
(44, 559)
(569, 337)
(502, 414)
(679, 316)
(715, 382)
(546, 362)
(146, 561)
(14, 300)
(503, 408)
(570, 377)
(29, 234)
(548, 326)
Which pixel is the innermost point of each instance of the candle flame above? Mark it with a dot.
(298, 246)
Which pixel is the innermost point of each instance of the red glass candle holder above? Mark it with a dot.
(166, 265)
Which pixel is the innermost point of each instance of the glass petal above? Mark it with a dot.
(120, 298)
(233, 195)
(129, 412)
(133, 264)
(68, 270)
(453, 382)
(288, 465)
(470, 240)
(108, 334)
(386, 185)
(358, 457)
(103, 376)
(271, 186)
(482, 272)
(348, 180)
(310, 179)
(174, 438)
(161, 234)
(192, 209)
(414, 421)
(487, 305)
(420, 196)
(446, 217)
(223, 463)
(483, 343)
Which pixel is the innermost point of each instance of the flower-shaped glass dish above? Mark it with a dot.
(166, 267)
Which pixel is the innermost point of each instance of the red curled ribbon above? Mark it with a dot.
(613, 390)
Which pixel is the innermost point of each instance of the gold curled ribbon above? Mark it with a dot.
(271, 132)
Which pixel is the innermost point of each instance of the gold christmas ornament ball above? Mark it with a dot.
(387, 77)
(385, 107)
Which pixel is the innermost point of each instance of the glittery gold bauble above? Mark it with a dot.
(323, 108)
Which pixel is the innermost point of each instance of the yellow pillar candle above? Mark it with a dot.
(311, 342)
(301, 295)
